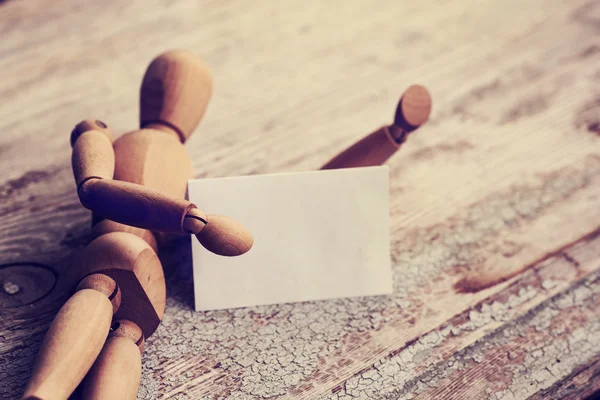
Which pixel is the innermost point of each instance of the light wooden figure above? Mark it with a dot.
(123, 278)
(135, 188)
(413, 111)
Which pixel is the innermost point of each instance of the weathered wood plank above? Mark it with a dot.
(483, 199)
(506, 328)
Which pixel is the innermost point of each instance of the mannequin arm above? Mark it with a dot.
(375, 149)
(93, 163)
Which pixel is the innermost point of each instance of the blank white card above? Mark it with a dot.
(317, 235)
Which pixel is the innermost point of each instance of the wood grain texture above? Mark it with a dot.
(225, 236)
(493, 202)
(132, 263)
(141, 157)
(116, 372)
(134, 205)
(413, 110)
(93, 157)
(175, 92)
(374, 149)
(71, 345)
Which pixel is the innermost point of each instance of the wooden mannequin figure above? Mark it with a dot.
(135, 188)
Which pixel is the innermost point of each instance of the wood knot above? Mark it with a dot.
(25, 283)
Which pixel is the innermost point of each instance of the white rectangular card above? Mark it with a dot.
(317, 235)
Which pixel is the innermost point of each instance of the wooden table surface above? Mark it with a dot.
(494, 203)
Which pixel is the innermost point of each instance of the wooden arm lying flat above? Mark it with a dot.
(375, 149)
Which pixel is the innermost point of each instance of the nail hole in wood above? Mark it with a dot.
(10, 287)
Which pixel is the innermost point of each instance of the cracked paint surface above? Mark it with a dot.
(539, 348)
(285, 350)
